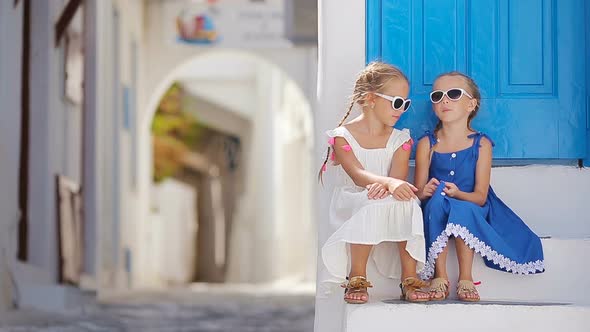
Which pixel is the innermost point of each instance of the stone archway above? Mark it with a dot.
(262, 246)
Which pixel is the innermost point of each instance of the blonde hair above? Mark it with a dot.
(372, 78)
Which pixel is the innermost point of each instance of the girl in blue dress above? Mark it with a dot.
(453, 166)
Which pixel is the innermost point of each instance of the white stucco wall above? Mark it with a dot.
(273, 232)
(238, 95)
(10, 113)
(120, 152)
(295, 233)
(109, 194)
(175, 232)
(253, 226)
(551, 199)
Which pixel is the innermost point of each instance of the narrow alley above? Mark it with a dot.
(144, 148)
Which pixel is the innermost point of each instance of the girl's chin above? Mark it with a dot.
(447, 117)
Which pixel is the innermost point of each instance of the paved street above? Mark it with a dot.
(195, 309)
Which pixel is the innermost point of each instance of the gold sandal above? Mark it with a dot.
(358, 284)
(465, 287)
(413, 285)
(439, 285)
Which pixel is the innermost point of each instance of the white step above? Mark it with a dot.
(552, 200)
(565, 279)
(378, 316)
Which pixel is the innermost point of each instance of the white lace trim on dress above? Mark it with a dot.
(480, 247)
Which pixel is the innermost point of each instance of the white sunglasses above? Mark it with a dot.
(453, 94)
(398, 103)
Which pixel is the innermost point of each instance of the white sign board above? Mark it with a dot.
(226, 23)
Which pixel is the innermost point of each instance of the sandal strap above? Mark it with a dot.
(466, 286)
(357, 282)
(413, 283)
(439, 285)
(419, 290)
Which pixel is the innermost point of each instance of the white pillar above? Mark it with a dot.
(294, 236)
(341, 56)
(263, 166)
(95, 104)
(252, 258)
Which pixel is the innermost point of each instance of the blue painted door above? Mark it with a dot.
(527, 56)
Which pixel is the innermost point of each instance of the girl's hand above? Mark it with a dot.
(377, 191)
(451, 189)
(405, 192)
(430, 187)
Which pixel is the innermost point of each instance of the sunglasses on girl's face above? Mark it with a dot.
(453, 94)
(398, 103)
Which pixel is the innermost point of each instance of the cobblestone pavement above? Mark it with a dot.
(201, 309)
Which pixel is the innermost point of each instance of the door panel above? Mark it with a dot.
(527, 57)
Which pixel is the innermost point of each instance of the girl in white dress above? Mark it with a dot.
(375, 211)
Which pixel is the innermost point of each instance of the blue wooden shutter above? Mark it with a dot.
(527, 57)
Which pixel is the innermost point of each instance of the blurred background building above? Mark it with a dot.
(154, 143)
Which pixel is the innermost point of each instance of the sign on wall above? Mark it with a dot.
(227, 23)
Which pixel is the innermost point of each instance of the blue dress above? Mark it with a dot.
(494, 231)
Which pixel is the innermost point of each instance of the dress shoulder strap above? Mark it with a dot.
(344, 133)
(431, 137)
(477, 141)
(398, 138)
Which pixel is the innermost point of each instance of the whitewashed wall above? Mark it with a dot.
(122, 150)
(175, 232)
(56, 141)
(10, 113)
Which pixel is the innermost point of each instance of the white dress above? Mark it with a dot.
(359, 220)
